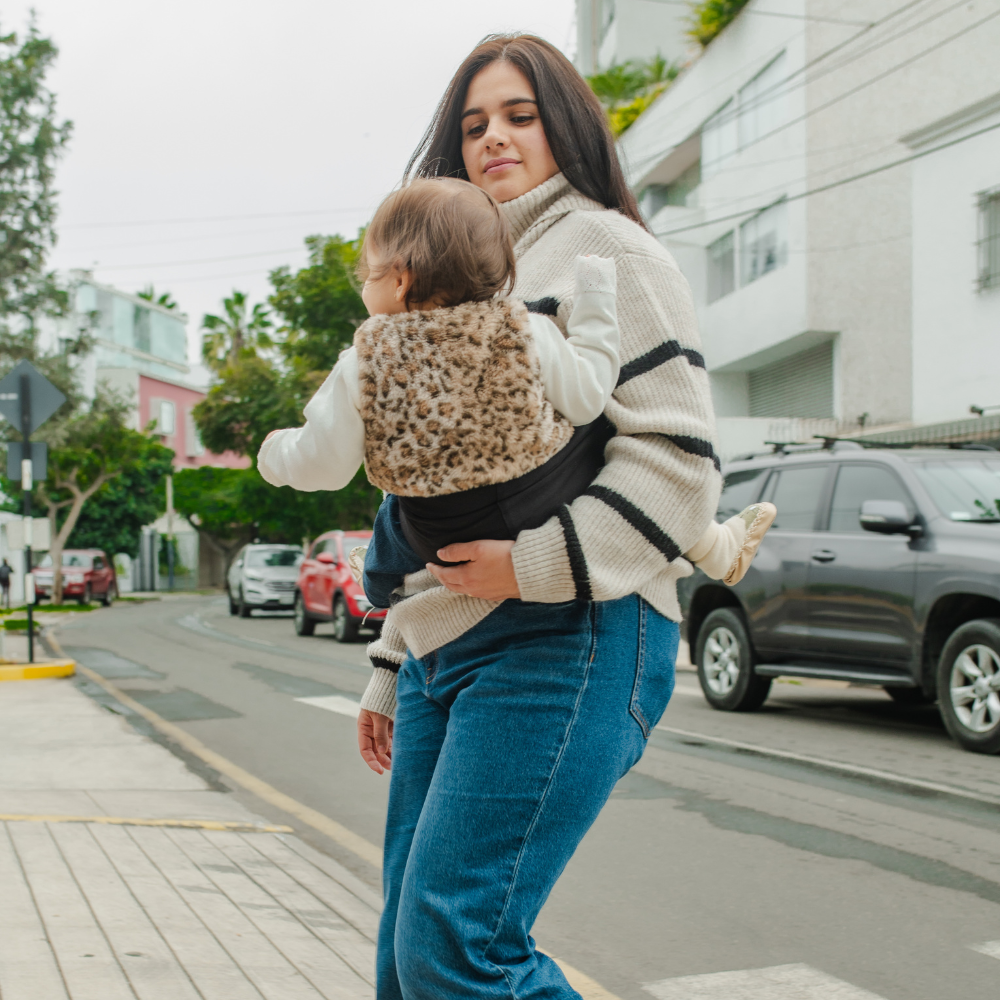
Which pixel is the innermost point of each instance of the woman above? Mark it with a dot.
(509, 738)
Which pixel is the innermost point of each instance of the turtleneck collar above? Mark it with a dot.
(522, 212)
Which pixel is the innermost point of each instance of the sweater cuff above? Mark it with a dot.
(542, 565)
(380, 695)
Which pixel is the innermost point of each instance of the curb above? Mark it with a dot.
(36, 671)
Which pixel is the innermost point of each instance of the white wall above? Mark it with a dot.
(640, 30)
(956, 329)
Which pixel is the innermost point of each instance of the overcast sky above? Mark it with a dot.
(211, 136)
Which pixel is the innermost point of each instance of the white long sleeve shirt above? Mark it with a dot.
(579, 373)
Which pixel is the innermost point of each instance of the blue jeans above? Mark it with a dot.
(508, 741)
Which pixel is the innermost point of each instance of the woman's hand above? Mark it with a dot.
(375, 740)
(487, 569)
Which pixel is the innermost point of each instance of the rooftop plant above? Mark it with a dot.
(709, 17)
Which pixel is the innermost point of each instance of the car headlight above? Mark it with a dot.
(253, 576)
(363, 603)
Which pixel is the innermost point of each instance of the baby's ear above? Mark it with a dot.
(404, 282)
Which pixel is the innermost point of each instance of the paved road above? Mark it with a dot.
(832, 845)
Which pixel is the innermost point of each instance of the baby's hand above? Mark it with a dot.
(596, 274)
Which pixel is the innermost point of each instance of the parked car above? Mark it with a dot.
(326, 590)
(263, 576)
(882, 567)
(87, 573)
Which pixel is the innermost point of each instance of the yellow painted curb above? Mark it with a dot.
(35, 671)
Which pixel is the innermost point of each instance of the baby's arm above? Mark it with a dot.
(579, 371)
(329, 449)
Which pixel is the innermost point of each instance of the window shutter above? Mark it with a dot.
(796, 386)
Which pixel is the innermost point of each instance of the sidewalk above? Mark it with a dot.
(125, 875)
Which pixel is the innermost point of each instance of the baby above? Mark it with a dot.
(475, 413)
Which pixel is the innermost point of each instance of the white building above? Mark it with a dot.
(823, 275)
(616, 31)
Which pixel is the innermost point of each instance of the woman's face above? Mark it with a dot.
(503, 142)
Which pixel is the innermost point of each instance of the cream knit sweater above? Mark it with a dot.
(660, 485)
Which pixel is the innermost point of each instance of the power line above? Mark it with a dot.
(215, 218)
(833, 184)
(770, 13)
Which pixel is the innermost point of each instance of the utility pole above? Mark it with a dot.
(24, 391)
(170, 532)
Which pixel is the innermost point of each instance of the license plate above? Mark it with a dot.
(285, 598)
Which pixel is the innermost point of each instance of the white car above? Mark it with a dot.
(263, 576)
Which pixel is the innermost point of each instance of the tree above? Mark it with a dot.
(320, 305)
(97, 445)
(113, 517)
(627, 89)
(31, 141)
(709, 17)
(149, 294)
(235, 335)
(210, 499)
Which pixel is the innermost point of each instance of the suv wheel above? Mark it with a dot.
(725, 664)
(244, 608)
(233, 606)
(345, 628)
(969, 685)
(85, 597)
(110, 595)
(304, 625)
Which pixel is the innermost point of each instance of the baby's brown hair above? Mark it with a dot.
(450, 234)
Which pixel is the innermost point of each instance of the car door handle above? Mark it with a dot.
(823, 555)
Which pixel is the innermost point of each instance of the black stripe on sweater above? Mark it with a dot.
(547, 306)
(381, 663)
(660, 355)
(695, 446)
(642, 523)
(577, 560)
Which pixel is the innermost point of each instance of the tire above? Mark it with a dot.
(110, 595)
(725, 664)
(345, 628)
(233, 606)
(85, 597)
(910, 697)
(304, 625)
(244, 608)
(968, 681)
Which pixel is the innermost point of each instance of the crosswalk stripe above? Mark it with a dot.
(779, 982)
(991, 948)
(334, 703)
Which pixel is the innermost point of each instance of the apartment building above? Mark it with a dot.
(616, 31)
(825, 175)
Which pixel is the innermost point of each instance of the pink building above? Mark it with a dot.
(168, 405)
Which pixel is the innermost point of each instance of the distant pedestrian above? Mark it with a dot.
(5, 583)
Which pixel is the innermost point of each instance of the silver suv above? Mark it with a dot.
(263, 577)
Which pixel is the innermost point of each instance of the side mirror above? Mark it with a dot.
(887, 517)
(327, 557)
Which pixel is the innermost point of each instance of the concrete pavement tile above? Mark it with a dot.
(173, 805)
(47, 802)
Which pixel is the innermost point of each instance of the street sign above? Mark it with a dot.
(44, 397)
(39, 456)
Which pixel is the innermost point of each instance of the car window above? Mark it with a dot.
(258, 558)
(740, 490)
(963, 491)
(319, 547)
(98, 562)
(796, 495)
(855, 485)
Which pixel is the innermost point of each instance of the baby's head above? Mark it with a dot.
(435, 243)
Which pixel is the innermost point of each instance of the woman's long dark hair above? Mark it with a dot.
(573, 119)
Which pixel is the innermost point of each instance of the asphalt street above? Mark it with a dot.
(832, 845)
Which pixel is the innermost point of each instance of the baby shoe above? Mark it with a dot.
(356, 560)
(758, 517)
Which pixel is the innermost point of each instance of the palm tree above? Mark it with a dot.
(236, 334)
(149, 294)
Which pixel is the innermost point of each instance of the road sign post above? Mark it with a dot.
(27, 400)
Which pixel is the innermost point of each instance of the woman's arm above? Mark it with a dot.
(326, 452)
(579, 371)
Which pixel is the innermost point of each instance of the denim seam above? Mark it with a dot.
(544, 796)
(635, 709)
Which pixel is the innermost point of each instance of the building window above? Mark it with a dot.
(656, 196)
(763, 243)
(719, 139)
(797, 386)
(989, 240)
(166, 421)
(192, 439)
(762, 103)
(722, 266)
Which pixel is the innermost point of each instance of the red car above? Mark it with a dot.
(87, 573)
(326, 590)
